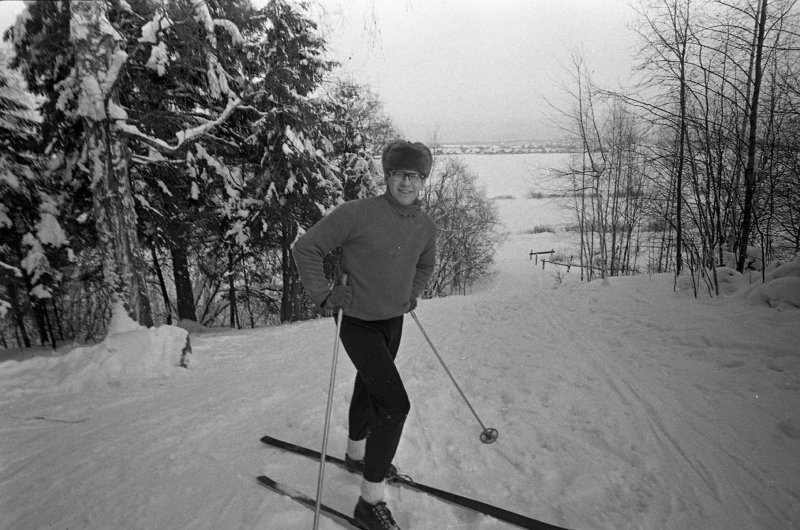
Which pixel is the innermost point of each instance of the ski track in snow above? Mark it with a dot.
(620, 405)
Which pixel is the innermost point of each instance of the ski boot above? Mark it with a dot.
(374, 516)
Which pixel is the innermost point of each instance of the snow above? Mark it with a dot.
(780, 290)
(35, 261)
(217, 77)
(118, 59)
(49, 232)
(151, 29)
(232, 29)
(5, 220)
(90, 100)
(189, 134)
(194, 192)
(159, 58)
(620, 404)
(128, 354)
(92, 90)
(7, 178)
(203, 16)
(116, 112)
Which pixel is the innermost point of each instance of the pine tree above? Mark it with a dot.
(358, 130)
(31, 235)
(185, 195)
(298, 180)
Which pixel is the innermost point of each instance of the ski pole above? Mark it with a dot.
(488, 435)
(324, 451)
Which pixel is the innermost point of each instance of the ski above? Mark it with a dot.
(307, 501)
(402, 480)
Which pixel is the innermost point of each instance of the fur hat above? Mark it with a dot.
(401, 154)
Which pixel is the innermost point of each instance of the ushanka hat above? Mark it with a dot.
(401, 154)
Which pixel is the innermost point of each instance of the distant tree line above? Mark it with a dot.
(700, 165)
(175, 151)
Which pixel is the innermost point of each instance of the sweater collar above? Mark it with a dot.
(405, 211)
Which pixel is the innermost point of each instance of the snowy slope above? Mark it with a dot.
(620, 404)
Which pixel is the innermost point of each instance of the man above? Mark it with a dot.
(388, 249)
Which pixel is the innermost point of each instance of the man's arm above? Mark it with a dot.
(311, 248)
(425, 267)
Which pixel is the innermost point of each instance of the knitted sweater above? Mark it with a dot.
(388, 254)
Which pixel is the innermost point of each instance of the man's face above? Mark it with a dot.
(404, 185)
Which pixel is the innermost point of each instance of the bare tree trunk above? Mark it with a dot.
(57, 317)
(234, 314)
(582, 227)
(247, 292)
(749, 172)
(19, 321)
(679, 169)
(290, 277)
(48, 325)
(184, 295)
(161, 283)
(585, 122)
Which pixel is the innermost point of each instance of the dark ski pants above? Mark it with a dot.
(380, 404)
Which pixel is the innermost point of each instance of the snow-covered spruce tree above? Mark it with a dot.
(188, 200)
(351, 117)
(74, 54)
(76, 73)
(296, 179)
(360, 129)
(30, 234)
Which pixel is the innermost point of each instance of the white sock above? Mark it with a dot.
(372, 492)
(355, 448)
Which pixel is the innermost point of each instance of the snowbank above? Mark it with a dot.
(781, 288)
(730, 281)
(129, 352)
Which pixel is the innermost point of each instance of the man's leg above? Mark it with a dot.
(360, 416)
(372, 347)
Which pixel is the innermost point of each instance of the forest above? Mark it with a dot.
(166, 154)
(697, 164)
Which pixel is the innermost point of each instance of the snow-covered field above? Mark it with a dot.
(620, 405)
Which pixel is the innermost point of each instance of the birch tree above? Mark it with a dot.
(757, 68)
(73, 54)
(105, 156)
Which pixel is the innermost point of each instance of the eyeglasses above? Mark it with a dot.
(412, 176)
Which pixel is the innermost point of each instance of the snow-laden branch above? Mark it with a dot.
(203, 15)
(189, 134)
(14, 270)
(182, 137)
(159, 60)
(152, 28)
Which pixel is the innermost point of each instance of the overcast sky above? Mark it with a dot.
(479, 69)
(471, 70)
